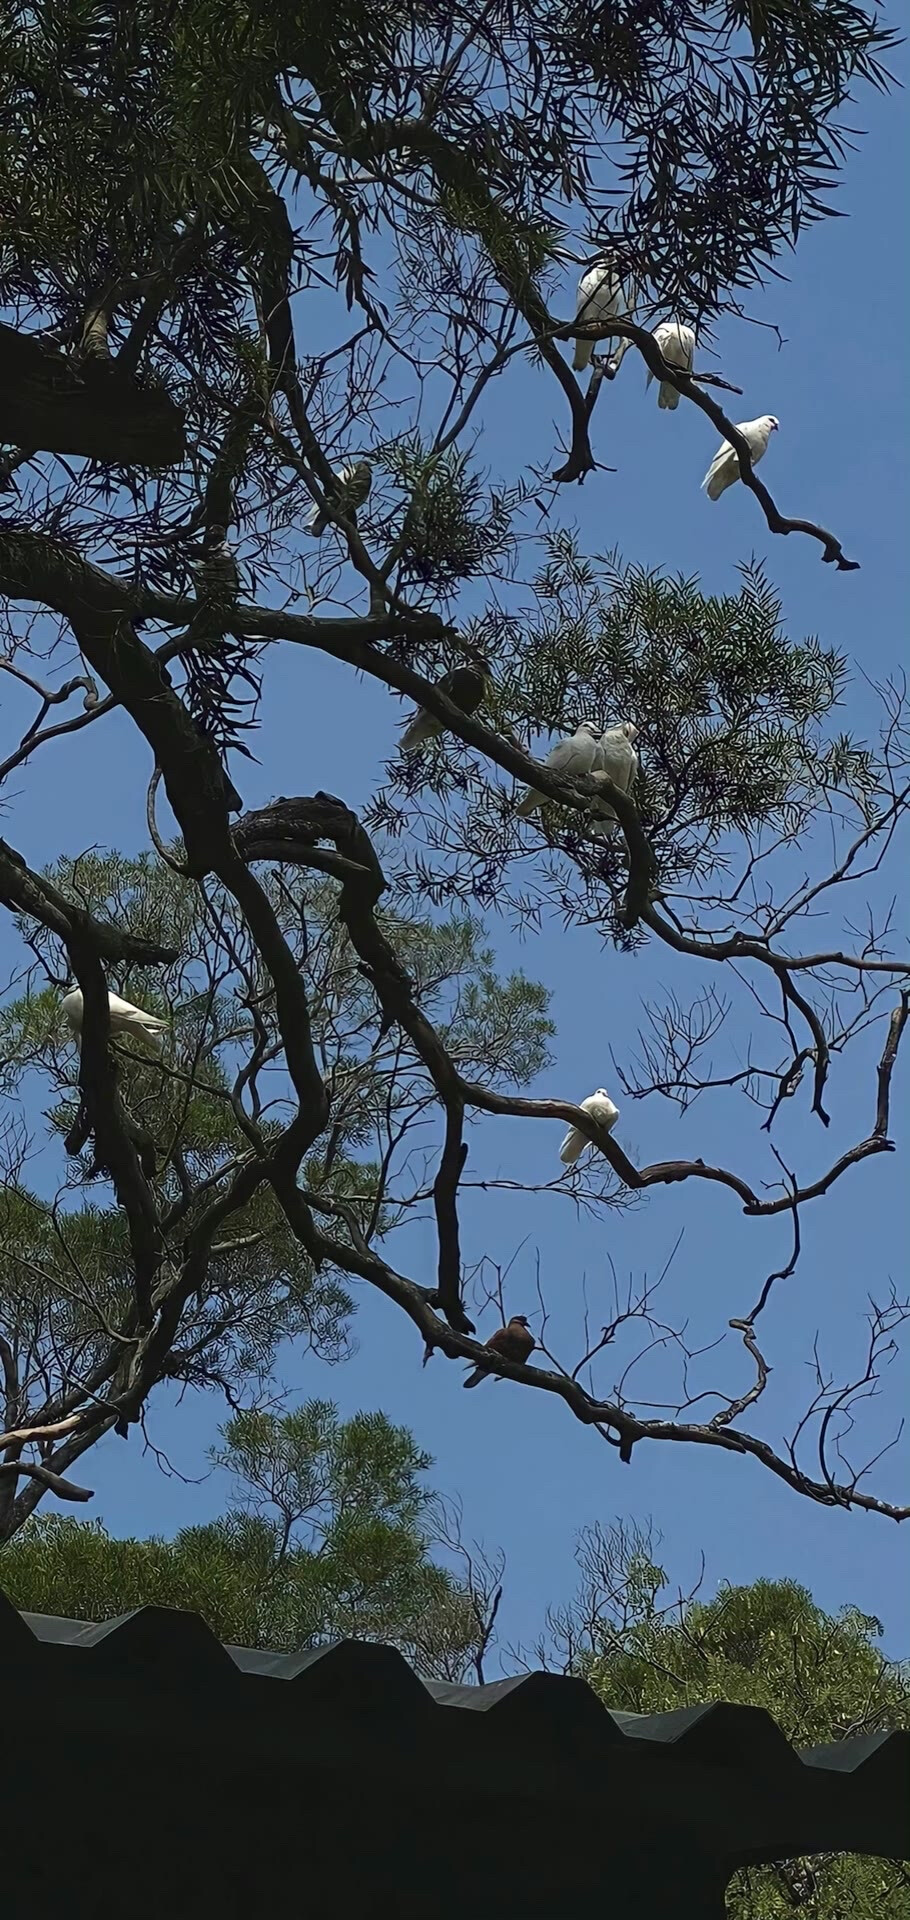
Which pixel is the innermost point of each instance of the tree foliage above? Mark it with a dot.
(240, 251)
(821, 1676)
(66, 1289)
(328, 1537)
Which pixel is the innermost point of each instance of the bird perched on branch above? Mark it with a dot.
(615, 756)
(601, 1108)
(351, 488)
(600, 298)
(124, 1017)
(465, 686)
(568, 758)
(513, 1342)
(724, 468)
(677, 344)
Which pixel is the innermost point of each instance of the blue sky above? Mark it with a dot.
(527, 1474)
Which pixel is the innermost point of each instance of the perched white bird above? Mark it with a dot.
(568, 758)
(600, 298)
(615, 756)
(601, 1108)
(125, 1018)
(724, 468)
(351, 489)
(677, 344)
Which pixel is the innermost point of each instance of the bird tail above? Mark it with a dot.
(668, 396)
(421, 728)
(528, 805)
(474, 1378)
(150, 1027)
(715, 484)
(583, 352)
(571, 1147)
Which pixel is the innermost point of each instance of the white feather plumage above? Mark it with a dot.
(601, 1108)
(724, 469)
(600, 298)
(615, 756)
(677, 344)
(124, 1017)
(568, 757)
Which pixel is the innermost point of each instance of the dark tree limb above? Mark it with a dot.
(688, 385)
(55, 1483)
(896, 1027)
(53, 404)
(23, 891)
(115, 1148)
(416, 1303)
(275, 832)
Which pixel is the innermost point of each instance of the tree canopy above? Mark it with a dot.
(241, 253)
(328, 1537)
(822, 1677)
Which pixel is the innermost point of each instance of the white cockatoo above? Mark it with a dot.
(465, 686)
(615, 756)
(600, 298)
(351, 489)
(724, 468)
(568, 758)
(601, 1108)
(125, 1018)
(677, 344)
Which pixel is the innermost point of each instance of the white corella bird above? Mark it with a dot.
(724, 468)
(124, 1017)
(600, 298)
(569, 758)
(677, 344)
(601, 1108)
(615, 756)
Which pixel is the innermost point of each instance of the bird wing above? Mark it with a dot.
(724, 454)
(124, 1007)
(572, 1145)
(561, 757)
(134, 1016)
(617, 757)
(676, 343)
(421, 727)
(724, 468)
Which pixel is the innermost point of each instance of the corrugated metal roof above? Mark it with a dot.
(713, 1787)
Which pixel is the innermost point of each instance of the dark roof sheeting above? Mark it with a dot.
(719, 1783)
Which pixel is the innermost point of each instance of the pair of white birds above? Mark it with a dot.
(124, 1017)
(601, 298)
(588, 751)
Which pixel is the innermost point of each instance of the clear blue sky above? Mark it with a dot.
(529, 1476)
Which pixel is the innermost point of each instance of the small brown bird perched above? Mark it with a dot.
(465, 686)
(514, 1342)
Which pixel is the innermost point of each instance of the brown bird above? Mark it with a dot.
(465, 686)
(514, 1342)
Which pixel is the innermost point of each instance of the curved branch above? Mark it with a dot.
(278, 831)
(415, 1301)
(687, 384)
